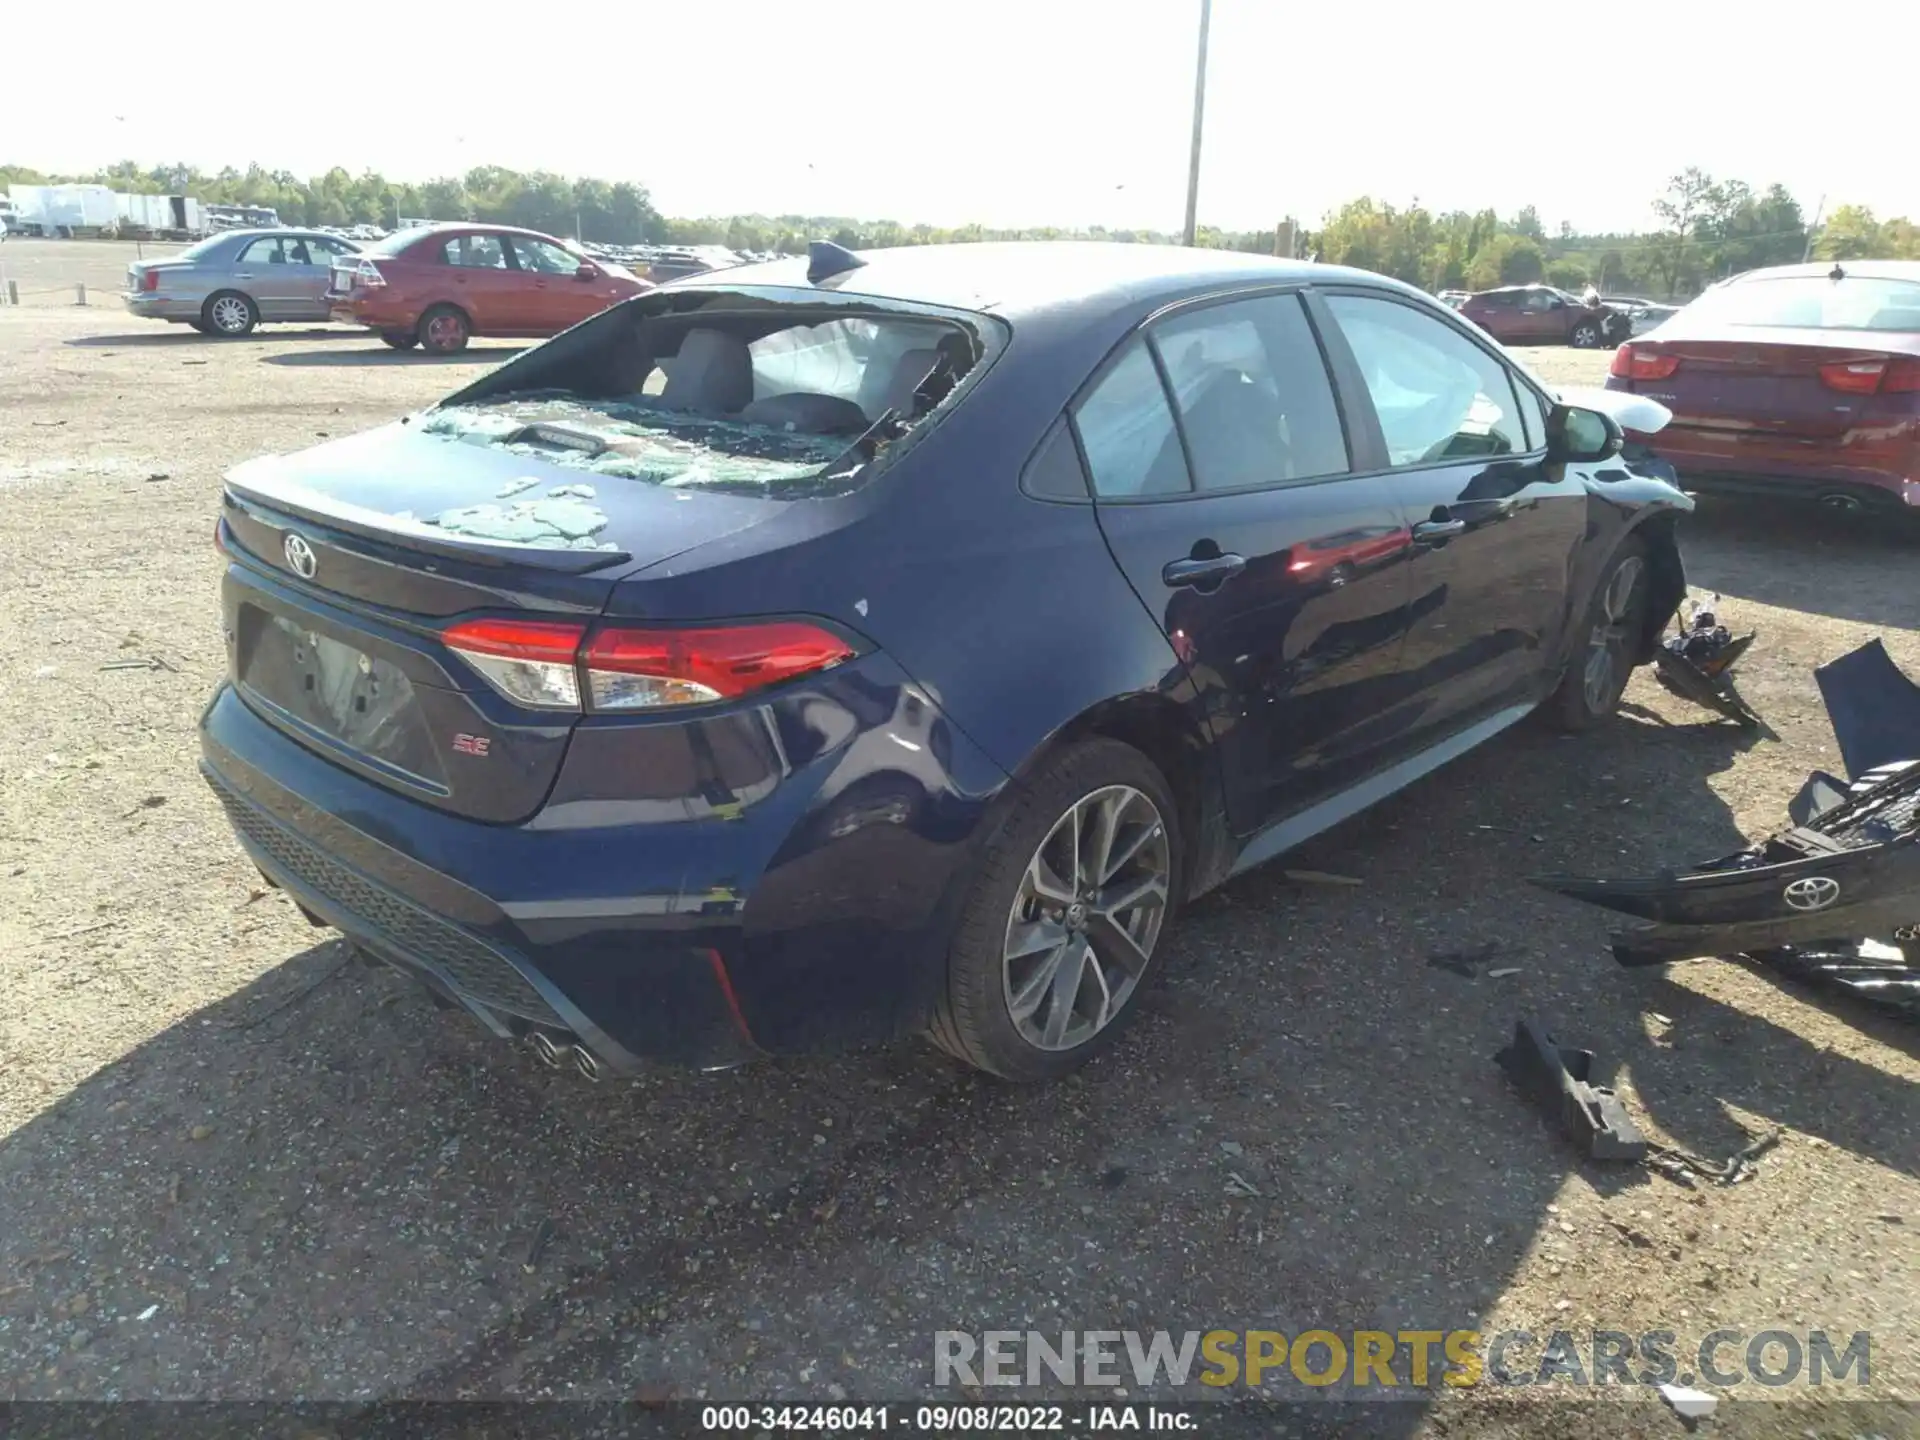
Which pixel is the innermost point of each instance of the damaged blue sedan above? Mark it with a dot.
(856, 646)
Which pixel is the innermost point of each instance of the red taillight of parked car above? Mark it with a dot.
(366, 275)
(1892, 374)
(149, 280)
(1641, 362)
(554, 665)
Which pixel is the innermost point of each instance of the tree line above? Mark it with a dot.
(1709, 228)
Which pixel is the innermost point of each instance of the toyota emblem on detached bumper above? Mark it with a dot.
(1816, 892)
(300, 557)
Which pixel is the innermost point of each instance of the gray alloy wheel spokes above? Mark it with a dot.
(1086, 917)
(1608, 647)
(230, 314)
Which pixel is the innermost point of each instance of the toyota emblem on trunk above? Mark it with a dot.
(1816, 892)
(300, 557)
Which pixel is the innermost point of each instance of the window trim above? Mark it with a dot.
(1351, 374)
(1351, 433)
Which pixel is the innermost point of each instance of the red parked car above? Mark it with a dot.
(1542, 315)
(440, 285)
(1800, 380)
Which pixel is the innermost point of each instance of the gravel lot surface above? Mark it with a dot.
(234, 1165)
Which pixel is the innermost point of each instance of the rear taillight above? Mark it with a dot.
(367, 274)
(549, 665)
(531, 662)
(1640, 362)
(1896, 374)
(641, 669)
(149, 280)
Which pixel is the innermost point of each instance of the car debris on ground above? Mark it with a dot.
(1835, 897)
(1558, 1079)
(1697, 662)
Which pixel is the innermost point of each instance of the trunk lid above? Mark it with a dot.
(353, 557)
(1765, 383)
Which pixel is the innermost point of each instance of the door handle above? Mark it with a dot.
(1201, 574)
(1432, 532)
(243, 274)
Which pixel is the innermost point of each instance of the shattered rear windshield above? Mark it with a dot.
(741, 404)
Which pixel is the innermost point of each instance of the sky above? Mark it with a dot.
(1005, 112)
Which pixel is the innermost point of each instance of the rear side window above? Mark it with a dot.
(475, 252)
(1438, 396)
(263, 252)
(1127, 431)
(1128, 434)
(1255, 401)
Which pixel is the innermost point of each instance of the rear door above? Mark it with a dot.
(261, 270)
(1541, 318)
(1223, 483)
(1495, 528)
(303, 281)
(481, 280)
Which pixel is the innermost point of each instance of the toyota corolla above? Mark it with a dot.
(848, 647)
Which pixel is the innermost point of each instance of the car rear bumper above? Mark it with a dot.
(374, 314)
(157, 305)
(811, 918)
(1810, 472)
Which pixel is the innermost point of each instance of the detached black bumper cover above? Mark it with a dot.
(1847, 869)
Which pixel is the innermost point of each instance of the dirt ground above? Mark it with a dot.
(234, 1166)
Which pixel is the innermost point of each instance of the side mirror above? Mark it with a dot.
(1582, 435)
(587, 271)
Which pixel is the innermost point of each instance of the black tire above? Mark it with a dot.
(1586, 335)
(399, 339)
(1578, 705)
(229, 315)
(973, 1021)
(444, 330)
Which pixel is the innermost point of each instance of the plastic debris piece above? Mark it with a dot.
(1697, 663)
(1687, 1403)
(1558, 1080)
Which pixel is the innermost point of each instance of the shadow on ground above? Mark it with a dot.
(1798, 557)
(496, 355)
(323, 1186)
(180, 337)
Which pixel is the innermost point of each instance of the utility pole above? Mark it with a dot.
(1199, 113)
(1813, 230)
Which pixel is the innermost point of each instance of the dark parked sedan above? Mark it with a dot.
(1542, 315)
(1800, 381)
(849, 647)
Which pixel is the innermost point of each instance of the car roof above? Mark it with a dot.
(1820, 269)
(1012, 277)
(478, 227)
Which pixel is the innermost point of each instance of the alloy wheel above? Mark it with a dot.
(1585, 337)
(1086, 917)
(1608, 646)
(230, 315)
(444, 332)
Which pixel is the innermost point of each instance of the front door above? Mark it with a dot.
(1496, 528)
(1222, 479)
(554, 293)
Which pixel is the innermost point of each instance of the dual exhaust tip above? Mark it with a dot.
(556, 1057)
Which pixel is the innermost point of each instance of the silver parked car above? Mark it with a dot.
(231, 282)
